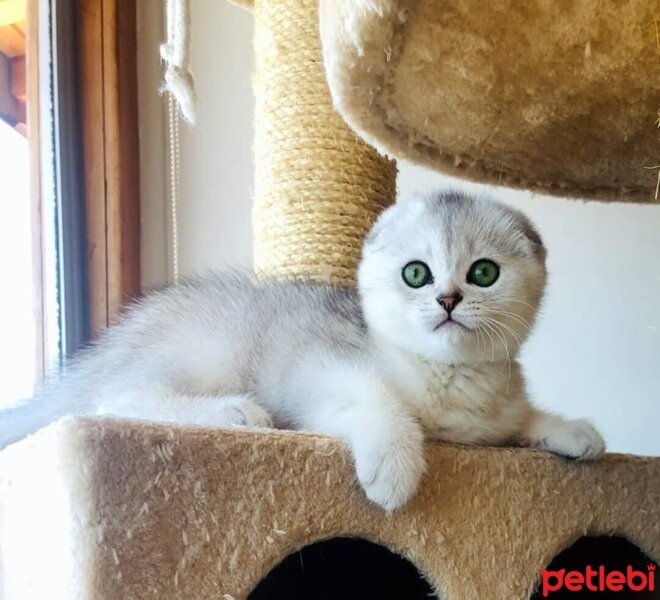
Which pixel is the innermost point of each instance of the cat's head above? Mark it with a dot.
(452, 278)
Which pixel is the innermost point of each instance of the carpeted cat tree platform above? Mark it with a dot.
(116, 510)
(555, 96)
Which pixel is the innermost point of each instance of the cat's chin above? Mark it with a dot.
(465, 346)
(451, 326)
(452, 344)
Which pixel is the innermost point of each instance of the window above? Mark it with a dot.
(69, 225)
(22, 348)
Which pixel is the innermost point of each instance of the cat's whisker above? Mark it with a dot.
(511, 315)
(500, 305)
(507, 328)
(492, 314)
(503, 327)
(515, 319)
(493, 332)
(500, 300)
(513, 334)
(492, 341)
(498, 331)
(482, 340)
(483, 336)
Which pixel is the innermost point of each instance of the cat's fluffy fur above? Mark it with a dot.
(372, 367)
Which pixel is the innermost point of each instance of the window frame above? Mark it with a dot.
(95, 143)
(69, 175)
(33, 112)
(109, 101)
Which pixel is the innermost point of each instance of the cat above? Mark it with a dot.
(449, 286)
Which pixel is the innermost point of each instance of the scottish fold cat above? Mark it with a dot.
(448, 288)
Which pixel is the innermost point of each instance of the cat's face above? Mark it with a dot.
(452, 278)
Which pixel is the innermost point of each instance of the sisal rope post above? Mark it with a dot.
(318, 187)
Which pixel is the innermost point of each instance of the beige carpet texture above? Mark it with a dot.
(120, 510)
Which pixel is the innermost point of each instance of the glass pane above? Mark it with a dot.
(20, 358)
(18, 352)
(41, 224)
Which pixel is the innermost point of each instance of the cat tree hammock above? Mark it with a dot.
(562, 101)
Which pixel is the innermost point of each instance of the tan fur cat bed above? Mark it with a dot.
(560, 97)
(110, 509)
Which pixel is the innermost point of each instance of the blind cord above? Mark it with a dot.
(181, 100)
(175, 171)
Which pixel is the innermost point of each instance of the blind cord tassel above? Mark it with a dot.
(176, 55)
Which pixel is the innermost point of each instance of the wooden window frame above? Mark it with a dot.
(109, 101)
(33, 110)
(102, 88)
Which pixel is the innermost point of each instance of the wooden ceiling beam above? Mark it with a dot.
(18, 79)
(12, 41)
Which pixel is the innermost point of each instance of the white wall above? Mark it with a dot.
(596, 350)
(216, 155)
(153, 153)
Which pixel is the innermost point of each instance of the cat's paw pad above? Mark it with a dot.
(577, 440)
(244, 414)
(390, 475)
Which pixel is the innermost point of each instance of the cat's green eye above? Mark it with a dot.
(483, 273)
(416, 274)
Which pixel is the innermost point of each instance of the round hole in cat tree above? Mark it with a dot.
(346, 568)
(614, 554)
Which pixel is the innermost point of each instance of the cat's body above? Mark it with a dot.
(383, 368)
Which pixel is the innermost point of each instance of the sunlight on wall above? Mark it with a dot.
(17, 327)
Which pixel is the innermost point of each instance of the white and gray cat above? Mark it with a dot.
(448, 288)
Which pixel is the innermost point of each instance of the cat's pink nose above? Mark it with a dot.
(449, 302)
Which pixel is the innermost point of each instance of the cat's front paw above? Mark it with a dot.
(577, 440)
(390, 474)
(241, 411)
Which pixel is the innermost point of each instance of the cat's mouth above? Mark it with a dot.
(450, 323)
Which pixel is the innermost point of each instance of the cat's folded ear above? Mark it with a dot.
(532, 234)
(402, 209)
(384, 219)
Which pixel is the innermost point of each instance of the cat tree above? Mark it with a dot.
(102, 508)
